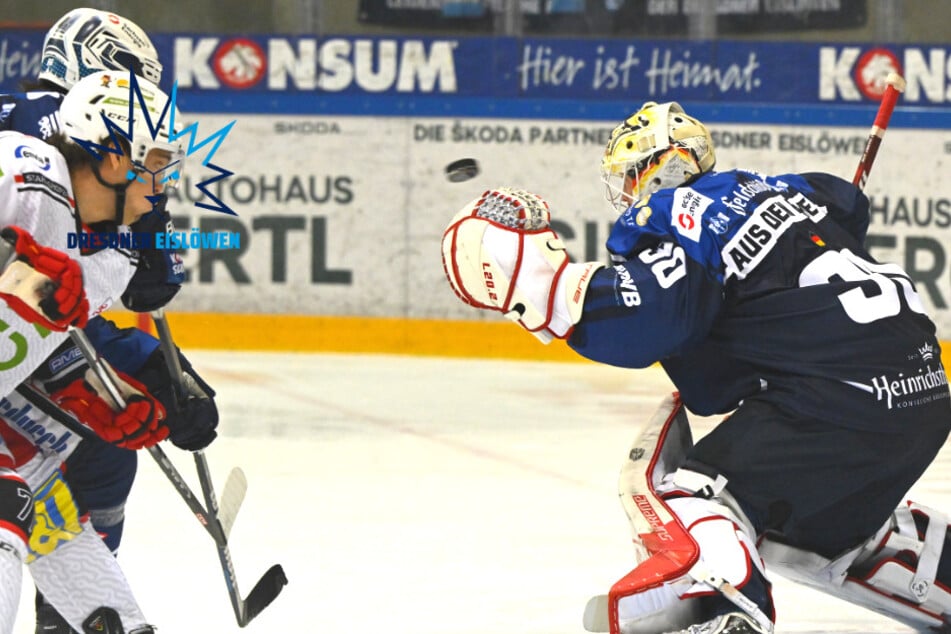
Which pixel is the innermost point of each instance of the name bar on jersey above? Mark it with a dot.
(757, 237)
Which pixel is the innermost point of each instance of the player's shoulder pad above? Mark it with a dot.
(832, 186)
(23, 153)
(27, 161)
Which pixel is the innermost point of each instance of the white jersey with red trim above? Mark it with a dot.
(36, 195)
(31, 442)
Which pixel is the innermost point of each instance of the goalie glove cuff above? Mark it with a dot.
(570, 291)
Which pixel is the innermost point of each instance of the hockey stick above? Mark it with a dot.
(165, 464)
(21, 275)
(217, 525)
(894, 86)
(234, 490)
(272, 583)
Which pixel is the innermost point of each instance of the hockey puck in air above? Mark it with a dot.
(462, 170)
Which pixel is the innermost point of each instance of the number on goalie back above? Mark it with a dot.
(891, 281)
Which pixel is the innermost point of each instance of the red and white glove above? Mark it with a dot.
(43, 285)
(140, 424)
(499, 253)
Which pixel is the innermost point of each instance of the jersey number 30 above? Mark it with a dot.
(667, 262)
(879, 299)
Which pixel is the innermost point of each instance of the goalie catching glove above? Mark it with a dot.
(140, 424)
(500, 253)
(44, 286)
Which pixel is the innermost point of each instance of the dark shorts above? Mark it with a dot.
(821, 487)
(100, 475)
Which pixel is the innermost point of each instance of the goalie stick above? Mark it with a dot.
(894, 86)
(221, 517)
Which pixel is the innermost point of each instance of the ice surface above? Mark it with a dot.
(409, 495)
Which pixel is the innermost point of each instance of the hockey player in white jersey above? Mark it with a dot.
(101, 171)
(81, 42)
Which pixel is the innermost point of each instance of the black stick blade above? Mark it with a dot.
(264, 592)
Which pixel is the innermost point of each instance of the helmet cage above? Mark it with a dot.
(670, 167)
(657, 147)
(99, 108)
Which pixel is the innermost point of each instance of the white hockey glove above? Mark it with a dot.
(499, 253)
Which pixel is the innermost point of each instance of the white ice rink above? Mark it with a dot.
(408, 495)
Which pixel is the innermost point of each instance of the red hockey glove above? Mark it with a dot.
(140, 424)
(43, 286)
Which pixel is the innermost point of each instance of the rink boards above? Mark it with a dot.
(335, 147)
(342, 216)
(497, 339)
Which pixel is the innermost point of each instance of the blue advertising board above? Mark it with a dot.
(562, 78)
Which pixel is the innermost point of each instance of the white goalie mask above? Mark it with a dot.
(659, 146)
(88, 40)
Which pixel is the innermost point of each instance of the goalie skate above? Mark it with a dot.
(731, 623)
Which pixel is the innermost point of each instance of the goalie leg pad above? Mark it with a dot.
(727, 553)
(690, 542)
(897, 572)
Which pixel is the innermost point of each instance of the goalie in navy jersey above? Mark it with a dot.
(757, 296)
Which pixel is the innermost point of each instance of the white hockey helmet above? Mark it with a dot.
(106, 96)
(88, 40)
(658, 146)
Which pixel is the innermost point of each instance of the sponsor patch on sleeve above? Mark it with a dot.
(686, 213)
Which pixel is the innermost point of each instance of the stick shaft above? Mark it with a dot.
(170, 352)
(894, 86)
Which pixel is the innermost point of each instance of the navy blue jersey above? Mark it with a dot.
(747, 285)
(34, 113)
